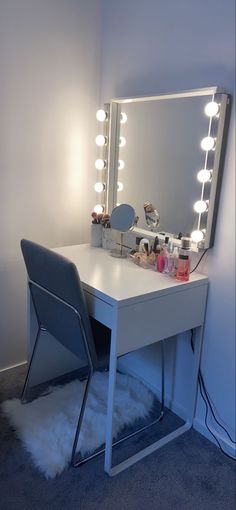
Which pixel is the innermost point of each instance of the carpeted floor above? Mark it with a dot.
(190, 473)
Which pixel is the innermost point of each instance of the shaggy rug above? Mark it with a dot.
(47, 425)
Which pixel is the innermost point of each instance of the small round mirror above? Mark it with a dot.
(122, 218)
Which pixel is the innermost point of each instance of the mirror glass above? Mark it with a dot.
(158, 146)
(122, 217)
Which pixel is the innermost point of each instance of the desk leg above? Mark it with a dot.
(198, 334)
(197, 341)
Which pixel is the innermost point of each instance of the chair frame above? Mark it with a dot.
(41, 328)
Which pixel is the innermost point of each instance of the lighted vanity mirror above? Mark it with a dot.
(169, 150)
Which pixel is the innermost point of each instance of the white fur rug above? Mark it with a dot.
(47, 425)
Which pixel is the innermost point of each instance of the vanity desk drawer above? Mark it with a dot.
(153, 320)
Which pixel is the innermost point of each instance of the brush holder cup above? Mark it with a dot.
(96, 235)
(108, 238)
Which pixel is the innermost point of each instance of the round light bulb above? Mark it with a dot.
(204, 175)
(120, 186)
(197, 236)
(101, 140)
(99, 187)
(98, 208)
(101, 115)
(121, 164)
(211, 109)
(208, 143)
(122, 141)
(123, 118)
(100, 164)
(200, 206)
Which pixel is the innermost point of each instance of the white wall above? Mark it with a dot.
(49, 91)
(153, 47)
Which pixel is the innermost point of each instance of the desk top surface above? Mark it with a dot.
(120, 280)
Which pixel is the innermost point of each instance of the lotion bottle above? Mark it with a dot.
(183, 267)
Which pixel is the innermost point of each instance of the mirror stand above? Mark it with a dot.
(119, 253)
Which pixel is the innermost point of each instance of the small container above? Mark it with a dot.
(186, 243)
(174, 262)
(96, 235)
(137, 243)
(108, 242)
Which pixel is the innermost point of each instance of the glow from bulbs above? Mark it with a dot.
(120, 186)
(100, 164)
(98, 208)
(212, 109)
(204, 175)
(101, 140)
(197, 236)
(122, 141)
(101, 115)
(121, 164)
(200, 206)
(123, 118)
(208, 143)
(99, 187)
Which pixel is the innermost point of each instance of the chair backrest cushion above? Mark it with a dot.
(59, 276)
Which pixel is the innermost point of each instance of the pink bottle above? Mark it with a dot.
(161, 261)
(183, 266)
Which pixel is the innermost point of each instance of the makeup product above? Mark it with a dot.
(175, 258)
(156, 242)
(137, 243)
(183, 267)
(186, 243)
(161, 260)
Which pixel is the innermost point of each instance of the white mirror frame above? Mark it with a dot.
(110, 194)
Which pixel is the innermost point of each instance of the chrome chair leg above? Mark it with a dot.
(75, 463)
(23, 399)
(132, 434)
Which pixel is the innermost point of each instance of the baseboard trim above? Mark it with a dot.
(13, 366)
(200, 426)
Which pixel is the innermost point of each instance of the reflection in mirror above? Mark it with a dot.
(122, 219)
(173, 156)
(152, 216)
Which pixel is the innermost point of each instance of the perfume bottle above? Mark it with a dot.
(183, 266)
(160, 259)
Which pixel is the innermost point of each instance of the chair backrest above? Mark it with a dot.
(57, 276)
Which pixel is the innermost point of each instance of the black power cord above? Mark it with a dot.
(199, 260)
(206, 398)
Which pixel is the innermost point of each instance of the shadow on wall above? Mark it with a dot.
(153, 83)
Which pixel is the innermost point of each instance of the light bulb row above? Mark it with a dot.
(101, 116)
(101, 140)
(208, 143)
(101, 186)
(100, 164)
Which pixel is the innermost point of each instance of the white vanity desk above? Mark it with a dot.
(140, 307)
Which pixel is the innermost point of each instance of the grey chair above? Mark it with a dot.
(61, 310)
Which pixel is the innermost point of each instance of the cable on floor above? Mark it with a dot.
(206, 398)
